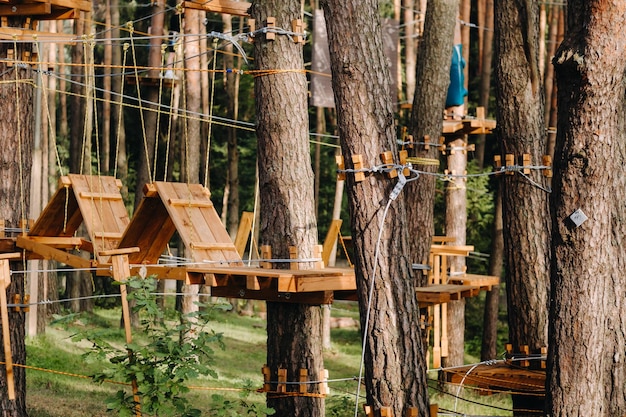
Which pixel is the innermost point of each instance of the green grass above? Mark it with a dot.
(56, 395)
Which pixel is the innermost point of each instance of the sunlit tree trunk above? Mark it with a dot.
(394, 358)
(16, 139)
(521, 130)
(587, 349)
(433, 78)
(294, 333)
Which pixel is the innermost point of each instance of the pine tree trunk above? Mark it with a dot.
(394, 358)
(587, 354)
(294, 334)
(456, 225)
(16, 138)
(433, 78)
(485, 77)
(521, 130)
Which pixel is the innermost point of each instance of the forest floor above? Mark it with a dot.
(66, 394)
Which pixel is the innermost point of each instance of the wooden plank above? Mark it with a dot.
(121, 273)
(26, 9)
(243, 232)
(331, 239)
(328, 283)
(315, 298)
(9, 33)
(475, 280)
(58, 242)
(196, 224)
(104, 214)
(82, 5)
(212, 245)
(5, 282)
(236, 8)
(61, 216)
(48, 252)
(451, 250)
(189, 203)
(150, 229)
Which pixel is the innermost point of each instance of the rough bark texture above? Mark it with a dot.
(456, 225)
(432, 80)
(286, 198)
(485, 77)
(394, 357)
(521, 130)
(586, 366)
(16, 139)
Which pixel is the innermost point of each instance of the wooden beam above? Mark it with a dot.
(331, 239)
(243, 232)
(5, 281)
(312, 298)
(236, 8)
(28, 9)
(121, 273)
(48, 252)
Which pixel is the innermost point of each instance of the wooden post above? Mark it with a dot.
(121, 273)
(5, 281)
(282, 379)
(243, 232)
(266, 253)
(368, 411)
(303, 381)
(266, 378)
(324, 385)
(330, 241)
(386, 412)
(434, 410)
(411, 412)
(293, 254)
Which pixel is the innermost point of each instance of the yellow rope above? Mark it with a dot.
(158, 120)
(19, 132)
(423, 161)
(51, 130)
(141, 110)
(120, 114)
(208, 139)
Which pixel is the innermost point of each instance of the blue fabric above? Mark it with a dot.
(456, 90)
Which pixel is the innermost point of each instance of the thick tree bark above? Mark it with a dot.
(521, 130)
(587, 350)
(294, 334)
(16, 139)
(394, 358)
(456, 225)
(485, 77)
(433, 78)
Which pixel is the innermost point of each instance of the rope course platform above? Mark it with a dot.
(43, 9)
(470, 126)
(235, 8)
(520, 373)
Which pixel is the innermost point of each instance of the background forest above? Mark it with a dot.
(152, 93)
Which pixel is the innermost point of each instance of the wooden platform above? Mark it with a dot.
(235, 8)
(92, 201)
(501, 376)
(470, 125)
(45, 9)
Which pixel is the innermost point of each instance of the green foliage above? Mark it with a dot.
(241, 406)
(342, 406)
(172, 354)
